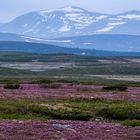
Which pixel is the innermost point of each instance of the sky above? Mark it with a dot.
(9, 9)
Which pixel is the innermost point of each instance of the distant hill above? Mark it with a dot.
(122, 43)
(11, 37)
(49, 49)
(110, 42)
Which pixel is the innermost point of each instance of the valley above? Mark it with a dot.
(45, 94)
(43, 108)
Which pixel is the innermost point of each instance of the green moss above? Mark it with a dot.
(131, 122)
(80, 109)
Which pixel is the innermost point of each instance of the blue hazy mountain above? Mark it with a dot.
(72, 21)
(1, 24)
(51, 49)
(11, 37)
(108, 42)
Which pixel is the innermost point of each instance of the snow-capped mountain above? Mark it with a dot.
(72, 21)
(125, 23)
(53, 23)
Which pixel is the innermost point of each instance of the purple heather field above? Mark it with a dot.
(34, 91)
(65, 130)
(36, 129)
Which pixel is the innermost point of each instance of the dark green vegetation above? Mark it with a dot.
(51, 85)
(72, 109)
(131, 122)
(57, 57)
(119, 87)
(13, 56)
(80, 68)
(12, 84)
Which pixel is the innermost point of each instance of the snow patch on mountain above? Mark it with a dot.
(30, 39)
(100, 17)
(60, 41)
(83, 53)
(65, 9)
(81, 18)
(64, 28)
(116, 19)
(105, 29)
(26, 40)
(110, 26)
(25, 25)
(33, 28)
(115, 23)
(87, 43)
(130, 16)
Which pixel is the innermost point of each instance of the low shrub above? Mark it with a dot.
(12, 85)
(71, 115)
(65, 81)
(118, 113)
(42, 81)
(119, 87)
(50, 85)
(61, 114)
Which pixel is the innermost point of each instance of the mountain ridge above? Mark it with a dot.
(72, 21)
